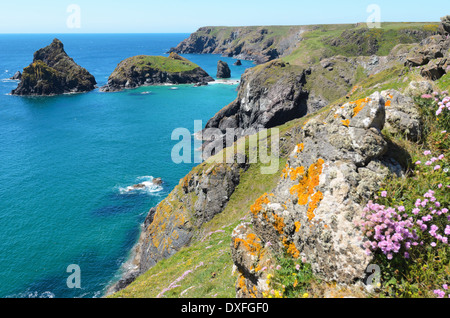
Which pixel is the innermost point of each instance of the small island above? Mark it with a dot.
(145, 70)
(53, 72)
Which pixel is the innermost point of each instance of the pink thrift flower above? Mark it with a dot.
(384, 194)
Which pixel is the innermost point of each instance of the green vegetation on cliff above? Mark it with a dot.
(205, 268)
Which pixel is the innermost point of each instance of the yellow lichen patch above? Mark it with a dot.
(298, 225)
(313, 204)
(306, 188)
(251, 243)
(291, 249)
(257, 206)
(346, 122)
(359, 105)
(279, 223)
(300, 147)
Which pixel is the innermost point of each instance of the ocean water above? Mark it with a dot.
(66, 162)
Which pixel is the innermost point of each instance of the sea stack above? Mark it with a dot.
(53, 72)
(17, 76)
(223, 70)
(144, 70)
(238, 63)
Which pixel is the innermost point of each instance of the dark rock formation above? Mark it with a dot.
(168, 227)
(237, 63)
(17, 76)
(269, 95)
(223, 70)
(435, 69)
(154, 70)
(54, 72)
(445, 24)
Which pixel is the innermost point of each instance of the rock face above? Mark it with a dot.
(445, 24)
(402, 115)
(259, 44)
(269, 95)
(311, 213)
(54, 72)
(276, 92)
(154, 70)
(432, 56)
(168, 227)
(237, 63)
(17, 76)
(223, 70)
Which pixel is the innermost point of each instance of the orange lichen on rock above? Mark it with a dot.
(298, 225)
(279, 223)
(257, 206)
(251, 243)
(313, 204)
(300, 147)
(346, 122)
(360, 103)
(305, 189)
(291, 248)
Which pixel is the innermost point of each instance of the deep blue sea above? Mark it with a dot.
(66, 162)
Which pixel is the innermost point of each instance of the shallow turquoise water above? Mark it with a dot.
(66, 161)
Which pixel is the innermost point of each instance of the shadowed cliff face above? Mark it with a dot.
(170, 226)
(54, 72)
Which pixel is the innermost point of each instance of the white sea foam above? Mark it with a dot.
(143, 184)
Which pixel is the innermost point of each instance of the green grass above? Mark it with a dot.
(162, 63)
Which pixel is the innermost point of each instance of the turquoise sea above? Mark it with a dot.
(66, 162)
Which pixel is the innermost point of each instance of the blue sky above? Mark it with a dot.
(185, 16)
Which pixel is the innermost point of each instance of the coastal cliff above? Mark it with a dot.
(260, 44)
(154, 70)
(53, 72)
(350, 129)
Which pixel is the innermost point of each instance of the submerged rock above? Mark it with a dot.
(53, 72)
(145, 70)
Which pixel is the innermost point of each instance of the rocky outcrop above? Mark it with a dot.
(402, 115)
(269, 95)
(339, 162)
(170, 226)
(445, 24)
(259, 44)
(53, 72)
(17, 76)
(146, 70)
(237, 63)
(223, 70)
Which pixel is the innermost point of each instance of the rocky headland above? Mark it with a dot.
(144, 70)
(350, 120)
(53, 72)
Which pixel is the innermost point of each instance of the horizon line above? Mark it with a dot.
(217, 26)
